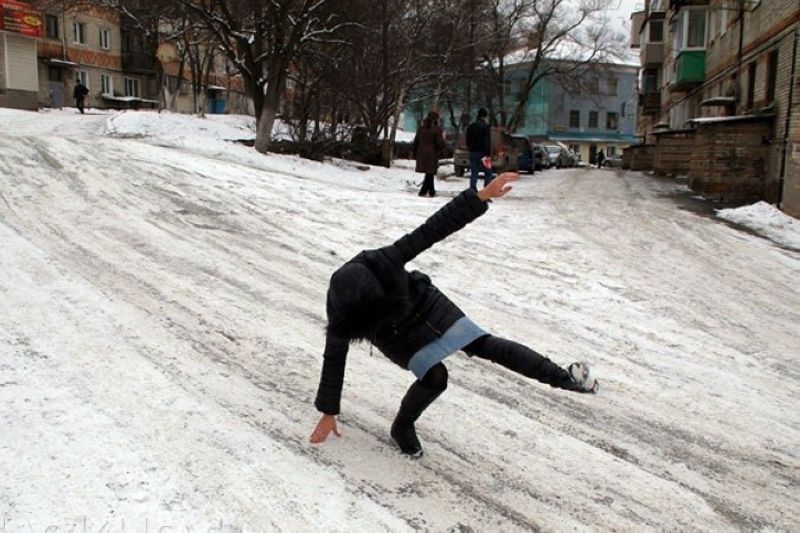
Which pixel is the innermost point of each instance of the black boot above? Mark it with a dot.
(416, 400)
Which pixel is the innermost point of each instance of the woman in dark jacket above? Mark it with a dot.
(428, 144)
(372, 297)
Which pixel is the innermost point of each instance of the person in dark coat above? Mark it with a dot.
(372, 297)
(479, 144)
(428, 144)
(600, 158)
(79, 94)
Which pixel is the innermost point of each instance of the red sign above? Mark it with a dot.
(21, 18)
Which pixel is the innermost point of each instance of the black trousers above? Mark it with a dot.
(427, 186)
(511, 355)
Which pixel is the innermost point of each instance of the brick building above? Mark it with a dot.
(736, 62)
(44, 53)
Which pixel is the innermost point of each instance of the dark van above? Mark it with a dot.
(524, 147)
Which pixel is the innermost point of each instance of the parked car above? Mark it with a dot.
(541, 158)
(566, 159)
(554, 154)
(504, 155)
(525, 150)
(614, 161)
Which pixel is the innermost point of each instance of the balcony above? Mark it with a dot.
(637, 22)
(650, 103)
(690, 71)
(651, 55)
(138, 62)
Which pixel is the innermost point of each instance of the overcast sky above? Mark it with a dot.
(620, 11)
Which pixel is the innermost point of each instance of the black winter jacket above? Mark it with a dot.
(479, 138)
(372, 297)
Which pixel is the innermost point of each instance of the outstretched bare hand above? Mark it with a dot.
(324, 427)
(498, 187)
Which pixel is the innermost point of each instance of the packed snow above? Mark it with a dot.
(767, 220)
(162, 315)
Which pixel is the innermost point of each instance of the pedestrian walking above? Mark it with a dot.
(479, 144)
(79, 94)
(600, 158)
(428, 145)
(373, 298)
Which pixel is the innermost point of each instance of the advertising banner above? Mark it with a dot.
(19, 17)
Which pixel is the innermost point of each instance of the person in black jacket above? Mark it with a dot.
(372, 297)
(79, 94)
(479, 144)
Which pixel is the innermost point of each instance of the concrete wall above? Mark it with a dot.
(730, 158)
(673, 152)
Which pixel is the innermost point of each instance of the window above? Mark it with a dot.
(611, 151)
(613, 86)
(105, 39)
(593, 119)
(593, 86)
(574, 119)
(79, 31)
(51, 26)
(131, 87)
(772, 75)
(612, 121)
(751, 84)
(656, 31)
(622, 109)
(106, 84)
(696, 32)
(650, 81)
(83, 77)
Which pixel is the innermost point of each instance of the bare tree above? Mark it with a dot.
(262, 39)
(543, 38)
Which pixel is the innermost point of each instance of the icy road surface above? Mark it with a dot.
(161, 331)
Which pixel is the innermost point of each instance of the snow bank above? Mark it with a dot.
(767, 220)
(168, 125)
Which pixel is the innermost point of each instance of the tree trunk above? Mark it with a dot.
(389, 146)
(269, 108)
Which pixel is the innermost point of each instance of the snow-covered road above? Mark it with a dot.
(161, 330)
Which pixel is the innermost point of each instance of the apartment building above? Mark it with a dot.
(88, 45)
(718, 84)
(595, 112)
(43, 54)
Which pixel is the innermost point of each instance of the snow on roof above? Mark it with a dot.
(62, 62)
(738, 118)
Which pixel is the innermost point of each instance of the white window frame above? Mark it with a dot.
(105, 39)
(684, 29)
(107, 84)
(76, 34)
(132, 83)
(84, 77)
